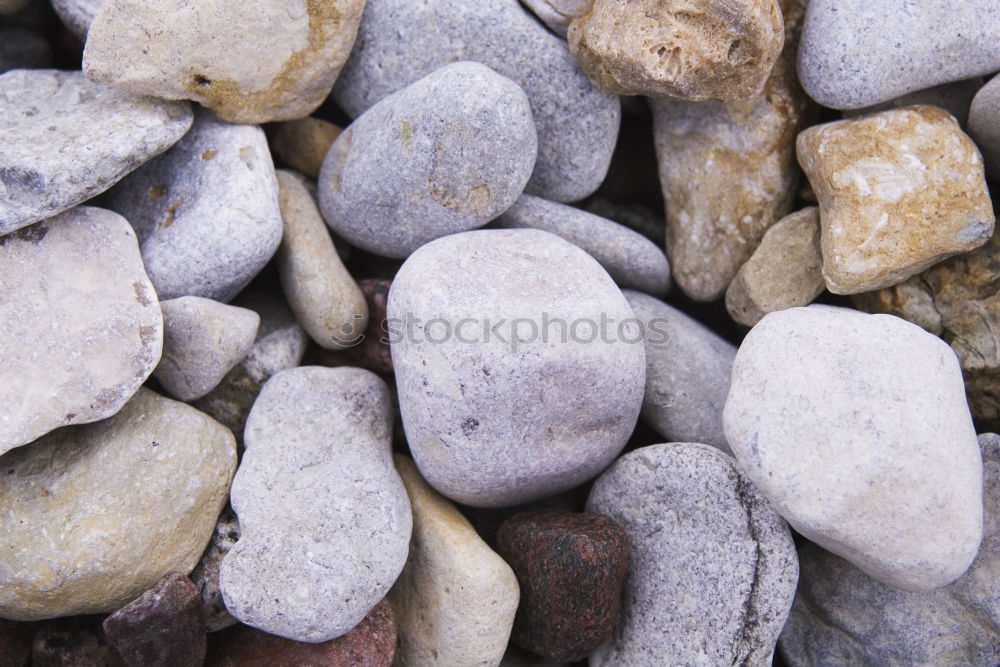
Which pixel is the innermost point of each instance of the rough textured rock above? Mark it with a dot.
(898, 192)
(558, 14)
(455, 600)
(526, 398)
(577, 123)
(66, 139)
(218, 172)
(984, 125)
(205, 574)
(713, 567)
(77, 641)
(74, 351)
(77, 15)
(21, 48)
(281, 67)
(302, 144)
(857, 430)
(955, 98)
(324, 518)
(78, 545)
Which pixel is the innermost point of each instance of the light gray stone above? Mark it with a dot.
(205, 575)
(446, 154)
(401, 41)
(325, 521)
(634, 216)
(558, 14)
(77, 15)
(984, 125)
(856, 428)
(713, 567)
(21, 48)
(954, 97)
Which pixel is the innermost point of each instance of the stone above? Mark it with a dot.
(855, 53)
(526, 397)
(700, 50)
(205, 575)
(898, 192)
(324, 518)
(77, 641)
(954, 97)
(558, 14)
(163, 627)
(842, 616)
(218, 172)
(634, 216)
(632, 260)
(322, 294)
(12, 6)
(82, 328)
(77, 15)
(282, 66)
(302, 144)
(203, 340)
(21, 48)
(516, 657)
(571, 567)
(785, 271)
(65, 140)
(856, 428)
(727, 171)
(984, 125)
(79, 545)
(446, 154)
(373, 351)
(713, 567)
(15, 642)
(577, 123)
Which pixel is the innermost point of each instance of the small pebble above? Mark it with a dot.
(302, 144)
(12, 6)
(634, 216)
(373, 351)
(955, 98)
(15, 642)
(21, 48)
(77, 641)
(205, 574)
(984, 125)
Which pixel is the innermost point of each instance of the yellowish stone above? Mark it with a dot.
(302, 144)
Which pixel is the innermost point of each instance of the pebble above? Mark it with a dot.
(855, 53)
(302, 144)
(898, 192)
(15, 642)
(535, 401)
(77, 15)
(218, 172)
(446, 154)
(77, 544)
(954, 97)
(279, 62)
(856, 428)
(577, 123)
(65, 140)
(713, 568)
(373, 351)
(631, 259)
(455, 600)
(77, 641)
(558, 14)
(701, 50)
(74, 351)
(984, 125)
(163, 627)
(785, 271)
(571, 567)
(324, 519)
(205, 574)
(12, 6)
(634, 216)
(21, 48)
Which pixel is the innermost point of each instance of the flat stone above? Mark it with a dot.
(65, 140)
(898, 192)
(77, 641)
(713, 568)
(302, 144)
(79, 545)
(954, 97)
(455, 600)
(77, 15)
(558, 14)
(324, 519)
(281, 67)
(525, 399)
(21, 48)
(984, 125)
(74, 351)
(205, 575)
(856, 428)
(577, 123)
(218, 172)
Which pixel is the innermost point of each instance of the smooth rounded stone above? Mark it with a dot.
(630, 258)
(205, 574)
(577, 123)
(77, 15)
(21, 48)
(82, 328)
(65, 140)
(856, 428)
(984, 125)
(446, 154)
(163, 627)
(219, 172)
(318, 549)
(202, 341)
(687, 373)
(571, 567)
(898, 192)
(77, 641)
(954, 97)
(634, 216)
(696, 50)
(713, 568)
(558, 14)
(282, 65)
(456, 598)
(302, 144)
(508, 390)
(77, 544)
(324, 297)
(785, 271)
(856, 53)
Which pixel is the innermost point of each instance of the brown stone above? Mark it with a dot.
(75, 641)
(302, 144)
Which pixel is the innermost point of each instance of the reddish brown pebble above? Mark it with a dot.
(571, 567)
(373, 352)
(76, 641)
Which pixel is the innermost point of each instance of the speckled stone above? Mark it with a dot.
(21, 48)
(984, 125)
(205, 574)
(77, 641)
(77, 15)
(954, 97)
(558, 14)
(302, 144)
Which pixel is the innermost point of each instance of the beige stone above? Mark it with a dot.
(302, 144)
(898, 191)
(456, 598)
(92, 516)
(691, 49)
(785, 271)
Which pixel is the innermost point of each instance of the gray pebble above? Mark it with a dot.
(984, 125)
(77, 15)
(205, 575)
(558, 14)
(954, 97)
(23, 49)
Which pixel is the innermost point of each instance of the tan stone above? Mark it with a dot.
(302, 144)
(898, 191)
(692, 49)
